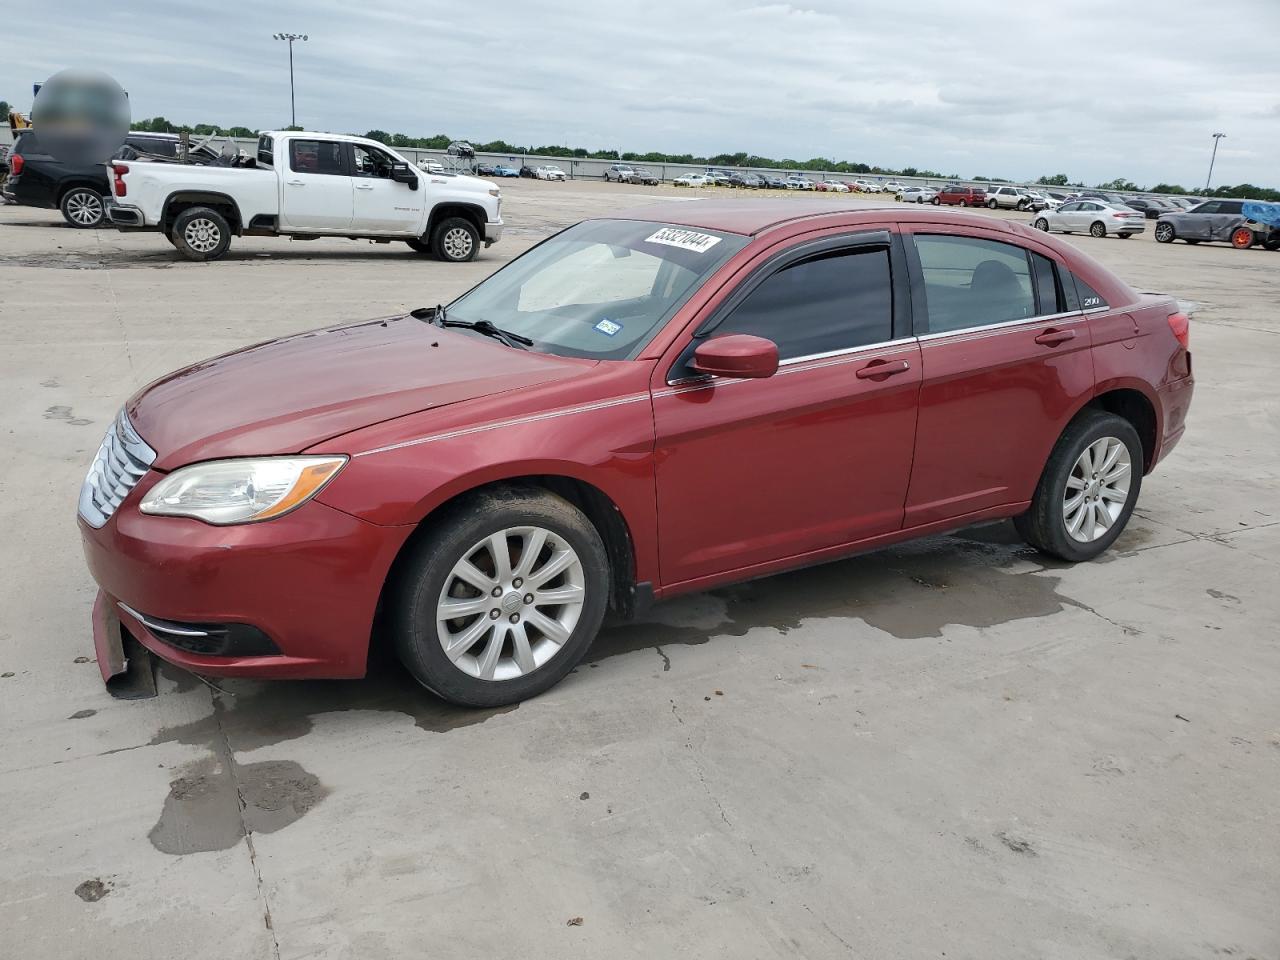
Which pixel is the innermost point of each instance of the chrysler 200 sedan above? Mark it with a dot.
(640, 406)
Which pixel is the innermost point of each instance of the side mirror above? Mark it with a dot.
(402, 173)
(737, 355)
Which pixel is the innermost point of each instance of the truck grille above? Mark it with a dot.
(121, 462)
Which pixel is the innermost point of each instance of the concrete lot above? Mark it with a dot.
(950, 748)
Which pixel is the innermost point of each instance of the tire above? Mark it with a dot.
(83, 208)
(921, 200)
(1124, 236)
(1191, 243)
(964, 203)
(1098, 230)
(200, 234)
(1045, 524)
(1041, 224)
(455, 240)
(1165, 233)
(1242, 238)
(428, 577)
(1022, 206)
(1271, 244)
(936, 202)
(991, 204)
(419, 246)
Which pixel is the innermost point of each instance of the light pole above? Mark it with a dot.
(1216, 138)
(293, 110)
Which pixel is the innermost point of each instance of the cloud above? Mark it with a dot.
(1092, 88)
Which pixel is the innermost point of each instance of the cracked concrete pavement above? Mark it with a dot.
(952, 746)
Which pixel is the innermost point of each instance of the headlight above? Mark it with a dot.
(240, 491)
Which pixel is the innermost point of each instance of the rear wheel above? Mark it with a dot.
(1124, 236)
(1098, 229)
(991, 204)
(1088, 489)
(455, 239)
(83, 207)
(1242, 238)
(502, 599)
(200, 233)
(1165, 233)
(964, 203)
(1041, 224)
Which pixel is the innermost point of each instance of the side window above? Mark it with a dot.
(266, 150)
(1212, 206)
(1047, 298)
(371, 162)
(971, 282)
(315, 156)
(835, 301)
(1231, 206)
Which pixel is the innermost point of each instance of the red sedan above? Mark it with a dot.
(641, 406)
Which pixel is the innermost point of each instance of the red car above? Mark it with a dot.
(641, 406)
(958, 196)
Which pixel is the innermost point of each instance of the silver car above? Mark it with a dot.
(1211, 220)
(916, 194)
(1098, 218)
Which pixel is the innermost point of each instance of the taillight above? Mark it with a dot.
(15, 163)
(119, 170)
(1180, 324)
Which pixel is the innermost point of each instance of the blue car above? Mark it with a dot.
(505, 172)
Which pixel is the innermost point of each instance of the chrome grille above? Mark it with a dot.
(121, 462)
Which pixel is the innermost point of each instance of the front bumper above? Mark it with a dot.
(310, 581)
(493, 232)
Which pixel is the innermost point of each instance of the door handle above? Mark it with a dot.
(882, 368)
(1052, 337)
(295, 183)
(364, 186)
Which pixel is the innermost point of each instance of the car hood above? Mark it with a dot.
(286, 395)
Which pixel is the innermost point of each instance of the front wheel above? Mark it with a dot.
(502, 599)
(455, 240)
(200, 234)
(964, 203)
(1098, 230)
(1041, 224)
(82, 207)
(1088, 489)
(1164, 233)
(936, 202)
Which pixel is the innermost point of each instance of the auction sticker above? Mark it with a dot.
(684, 239)
(608, 327)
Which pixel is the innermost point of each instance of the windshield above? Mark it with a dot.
(601, 288)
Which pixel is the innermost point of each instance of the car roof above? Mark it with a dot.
(753, 217)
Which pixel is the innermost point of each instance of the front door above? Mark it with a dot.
(1005, 364)
(315, 192)
(383, 205)
(1199, 226)
(751, 472)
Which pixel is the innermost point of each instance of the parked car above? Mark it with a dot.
(527, 172)
(955, 195)
(550, 172)
(427, 165)
(485, 170)
(1094, 217)
(774, 182)
(718, 178)
(1220, 220)
(36, 178)
(693, 180)
(462, 482)
(916, 194)
(865, 186)
(1149, 206)
(501, 171)
(645, 176)
(307, 185)
(1183, 203)
(892, 186)
(621, 172)
(750, 181)
(1041, 201)
(832, 186)
(1008, 198)
(797, 182)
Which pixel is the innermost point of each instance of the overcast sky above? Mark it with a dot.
(1095, 89)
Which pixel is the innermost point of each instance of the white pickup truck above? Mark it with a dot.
(306, 186)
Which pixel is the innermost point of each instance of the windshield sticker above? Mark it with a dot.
(684, 239)
(608, 327)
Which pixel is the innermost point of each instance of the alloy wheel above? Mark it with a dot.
(1042, 224)
(458, 243)
(1097, 490)
(202, 235)
(511, 603)
(1164, 232)
(84, 207)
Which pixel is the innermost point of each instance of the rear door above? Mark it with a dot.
(315, 186)
(753, 472)
(1005, 364)
(380, 204)
(1230, 214)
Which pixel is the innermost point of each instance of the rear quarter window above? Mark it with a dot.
(266, 150)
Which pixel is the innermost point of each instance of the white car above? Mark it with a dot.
(795, 182)
(893, 186)
(550, 172)
(306, 185)
(692, 180)
(1098, 218)
(430, 166)
(916, 194)
(866, 186)
(833, 186)
(1042, 201)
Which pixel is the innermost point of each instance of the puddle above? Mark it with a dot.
(210, 809)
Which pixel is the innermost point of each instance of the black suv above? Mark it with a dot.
(38, 179)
